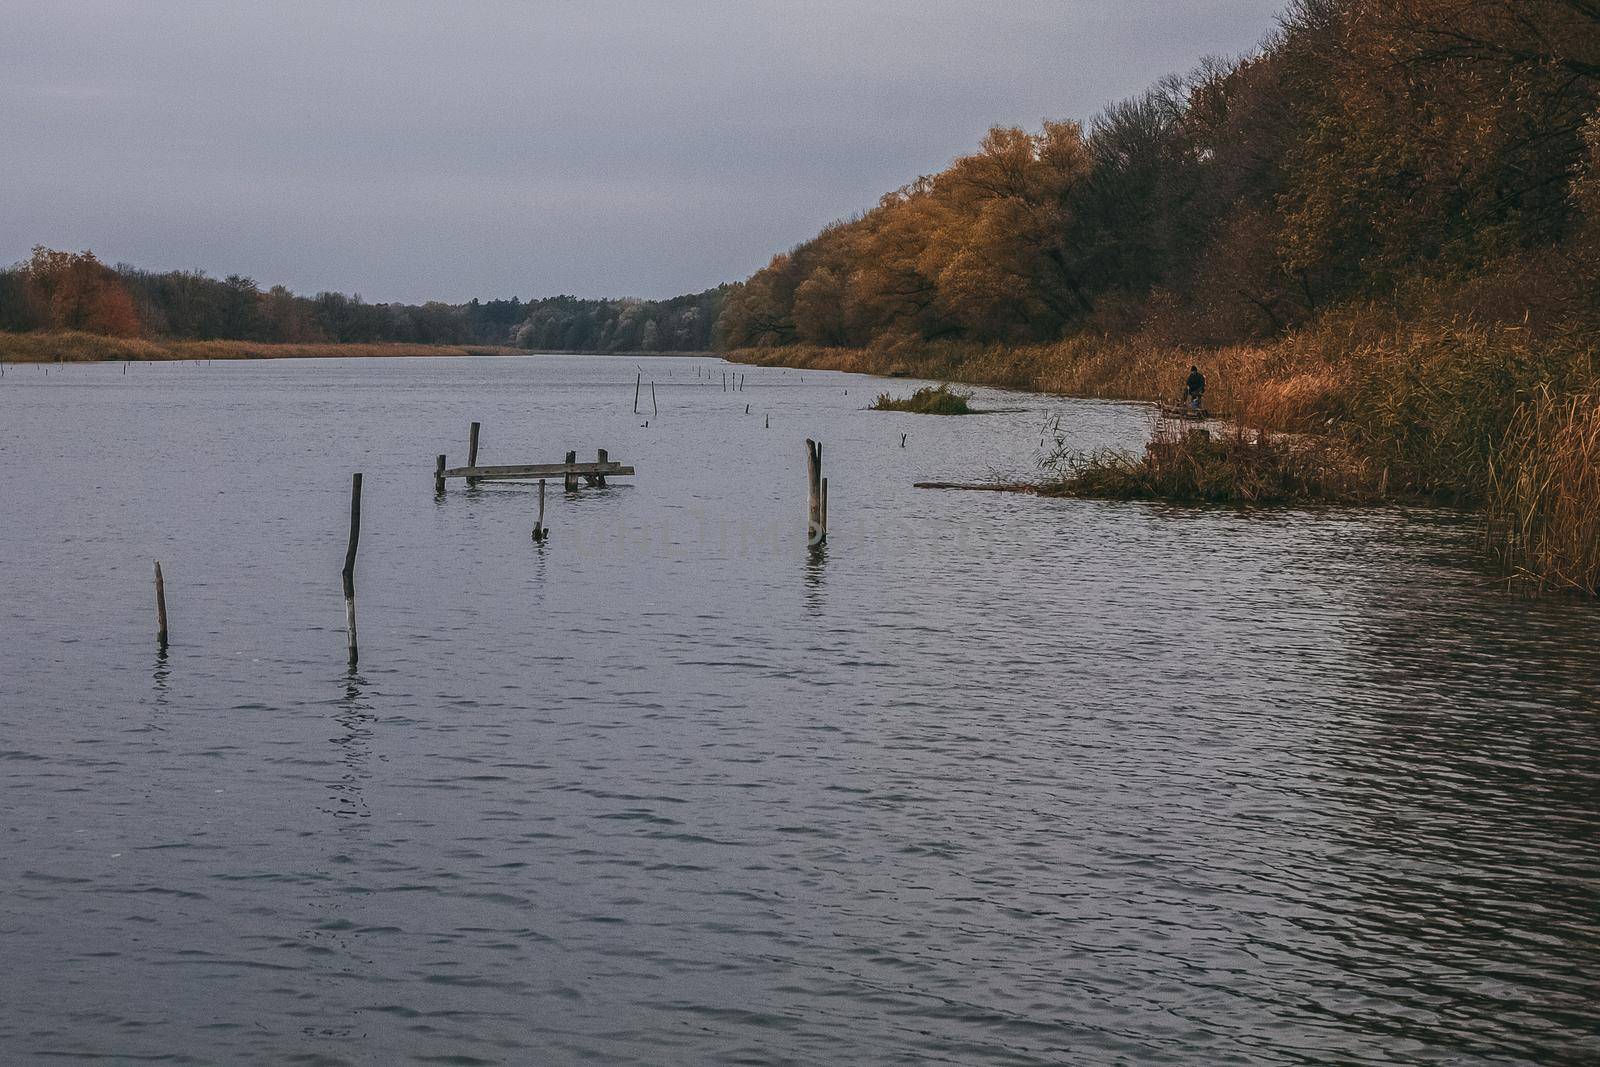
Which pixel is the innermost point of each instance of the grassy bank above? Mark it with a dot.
(74, 347)
(1497, 418)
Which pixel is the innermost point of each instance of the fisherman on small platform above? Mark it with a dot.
(1194, 389)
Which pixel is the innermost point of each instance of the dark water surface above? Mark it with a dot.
(992, 780)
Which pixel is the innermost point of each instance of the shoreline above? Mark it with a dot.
(76, 347)
(1357, 409)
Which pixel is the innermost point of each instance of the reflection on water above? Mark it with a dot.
(355, 719)
(985, 779)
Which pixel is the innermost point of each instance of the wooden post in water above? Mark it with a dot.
(724, 381)
(161, 609)
(539, 531)
(438, 475)
(571, 484)
(654, 411)
(472, 451)
(824, 504)
(349, 573)
(601, 456)
(902, 440)
(768, 424)
(637, 384)
(816, 520)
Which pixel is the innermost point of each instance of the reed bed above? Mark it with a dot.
(1195, 466)
(1544, 494)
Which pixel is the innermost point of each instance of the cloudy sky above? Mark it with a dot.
(417, 150)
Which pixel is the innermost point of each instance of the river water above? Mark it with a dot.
(988, 780)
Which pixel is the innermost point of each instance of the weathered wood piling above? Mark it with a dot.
(571, 484)
(349, 573)
(472, 451)
(539, 532)
(817, 496)
(161, 609)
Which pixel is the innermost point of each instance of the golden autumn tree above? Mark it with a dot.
(75, 291)
(891, 290)
(1000, 251)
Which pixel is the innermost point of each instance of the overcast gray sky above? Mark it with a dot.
(416, 150)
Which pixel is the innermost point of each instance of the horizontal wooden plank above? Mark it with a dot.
(540, 470)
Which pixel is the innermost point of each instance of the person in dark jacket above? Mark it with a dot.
(1194, 388)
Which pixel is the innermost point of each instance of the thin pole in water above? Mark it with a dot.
(161, 609)
(539, 531)
(438, 475)
(472, 451)
(637, 384)
(654, 411)
(349, 573)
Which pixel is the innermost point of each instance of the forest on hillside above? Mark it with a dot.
(1432, 155)
(74, 291)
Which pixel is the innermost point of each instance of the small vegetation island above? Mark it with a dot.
(929, 400)
(1378, 235)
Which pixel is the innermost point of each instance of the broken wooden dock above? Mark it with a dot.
(569, 472)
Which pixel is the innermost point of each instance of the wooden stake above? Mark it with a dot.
(350, 630)
(161, 609)
(472, 451)
(438, 475)
(571, 484)
(824, 509)
(637, 383)
(538, 524)
(768, 425)
(654, 411)
(902, 440)
(602, 456)
(349, 573)
(813, 493)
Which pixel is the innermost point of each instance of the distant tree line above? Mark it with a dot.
(75, 291)
(1371, 149)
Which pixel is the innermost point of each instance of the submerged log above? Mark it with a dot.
(984, 487)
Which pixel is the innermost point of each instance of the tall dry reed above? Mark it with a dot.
(1544, 493)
